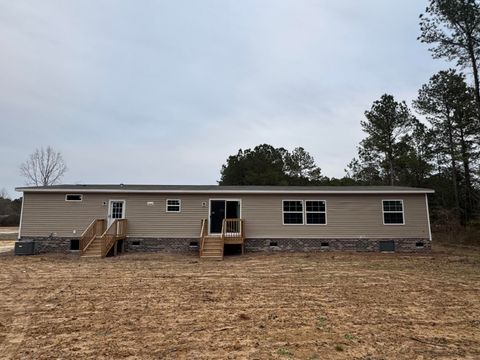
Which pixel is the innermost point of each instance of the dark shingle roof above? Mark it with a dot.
(225, 189)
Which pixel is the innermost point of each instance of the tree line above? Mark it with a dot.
(433, 143)
(9, 210)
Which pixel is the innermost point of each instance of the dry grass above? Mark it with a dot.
(298, 306)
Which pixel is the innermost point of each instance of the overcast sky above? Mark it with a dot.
(163, 92)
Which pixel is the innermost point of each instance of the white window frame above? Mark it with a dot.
(302, 212)
(173, 211)
(210, 211)
(109, 214)
(315, 212)
(403, 212)
(67, 195)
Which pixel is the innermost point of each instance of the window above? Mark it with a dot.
(173, 205)
(293, 212)
(393, 212)
(315, 212)
(73, 197)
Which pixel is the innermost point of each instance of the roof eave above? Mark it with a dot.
(223, 191)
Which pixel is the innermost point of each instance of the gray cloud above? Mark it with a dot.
(163, 92)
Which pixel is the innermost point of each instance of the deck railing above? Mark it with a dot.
(116, 231)
(96, 228)
(233, 230)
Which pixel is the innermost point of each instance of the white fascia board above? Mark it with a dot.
(116, 191)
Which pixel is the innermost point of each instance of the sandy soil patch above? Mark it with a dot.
(6, 245)
(298, 306)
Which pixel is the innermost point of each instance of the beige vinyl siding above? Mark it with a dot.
(358, 215)
(347, 216)
(50, 213)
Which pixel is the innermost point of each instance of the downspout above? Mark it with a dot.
(428, 218)
(21, 219)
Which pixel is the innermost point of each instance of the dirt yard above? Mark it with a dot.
(298, 306)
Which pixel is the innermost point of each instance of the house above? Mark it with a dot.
(100, 219)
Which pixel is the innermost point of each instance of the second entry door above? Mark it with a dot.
(222, 209)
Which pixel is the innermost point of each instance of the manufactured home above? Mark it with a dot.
(98, 220)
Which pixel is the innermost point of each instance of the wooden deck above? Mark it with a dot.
(97, 241)
(212, 246)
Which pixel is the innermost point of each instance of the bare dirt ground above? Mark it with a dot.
(298, 306)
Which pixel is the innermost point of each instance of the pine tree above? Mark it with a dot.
(387, 124)
(449, 106)
(453, 28)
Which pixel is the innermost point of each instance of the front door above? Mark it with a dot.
(222, 209)
(217, 214)
(116, 210)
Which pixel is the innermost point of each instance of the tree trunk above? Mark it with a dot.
(473, 61)
(392, 178)
(390, 161)
(454, 168)
(467, 175)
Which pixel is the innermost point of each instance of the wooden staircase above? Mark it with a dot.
(96, 241)
(212, 246)
(94, 249)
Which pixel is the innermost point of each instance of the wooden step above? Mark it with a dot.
(94, 249)
(215, 251)
(212, 251)
(212, 248)
(213, 242)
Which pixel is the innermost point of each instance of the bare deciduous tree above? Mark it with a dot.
(44, 167)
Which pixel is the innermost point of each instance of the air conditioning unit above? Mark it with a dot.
(24, 248)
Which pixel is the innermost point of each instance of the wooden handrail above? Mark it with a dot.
(93, 230)
(88, 228)
(203, 234)
(117, 230)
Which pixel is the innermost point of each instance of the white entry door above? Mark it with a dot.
(116, 210)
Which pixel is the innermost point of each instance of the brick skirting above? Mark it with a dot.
(359, 245)
(185, 245)
(49, 244)
(190, 245)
